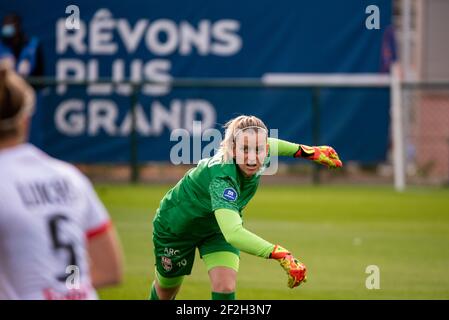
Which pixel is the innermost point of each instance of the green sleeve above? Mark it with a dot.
(282, 148)
(231, 226)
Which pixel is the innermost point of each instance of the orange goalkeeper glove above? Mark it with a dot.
(295, 269)
(324, 155)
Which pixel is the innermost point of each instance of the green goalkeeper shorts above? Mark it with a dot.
(175, 255)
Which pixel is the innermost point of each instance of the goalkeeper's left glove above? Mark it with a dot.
(324, 155)
(296, 271)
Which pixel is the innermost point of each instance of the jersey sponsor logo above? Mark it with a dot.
(71, 294)
(230, 194)
(166, 263)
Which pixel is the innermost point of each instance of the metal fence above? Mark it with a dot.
(426, 128)
(419, 149)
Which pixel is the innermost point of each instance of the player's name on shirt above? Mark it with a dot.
(50, 192)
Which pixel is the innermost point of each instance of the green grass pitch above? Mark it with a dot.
(337, 231)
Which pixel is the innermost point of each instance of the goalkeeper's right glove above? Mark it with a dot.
(295, 269)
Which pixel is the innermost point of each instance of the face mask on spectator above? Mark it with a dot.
(8, 31)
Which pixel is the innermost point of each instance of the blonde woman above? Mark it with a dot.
(204, 211)
(56, 237)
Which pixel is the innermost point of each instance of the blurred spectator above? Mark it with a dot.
(24, 53)
(25, 56)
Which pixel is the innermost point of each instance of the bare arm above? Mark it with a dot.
(106, 262)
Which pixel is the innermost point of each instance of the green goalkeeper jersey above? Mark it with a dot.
(188, 209)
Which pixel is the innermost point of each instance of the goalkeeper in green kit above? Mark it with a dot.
(204, 211)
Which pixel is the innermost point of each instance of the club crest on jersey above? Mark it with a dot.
(166, 263)
(230, 194)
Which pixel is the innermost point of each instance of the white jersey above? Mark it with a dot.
(48, 210)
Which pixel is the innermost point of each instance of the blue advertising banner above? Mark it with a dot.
(163, 40)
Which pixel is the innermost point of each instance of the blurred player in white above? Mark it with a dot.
(56, 238)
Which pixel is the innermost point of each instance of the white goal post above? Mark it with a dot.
(393, 81)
